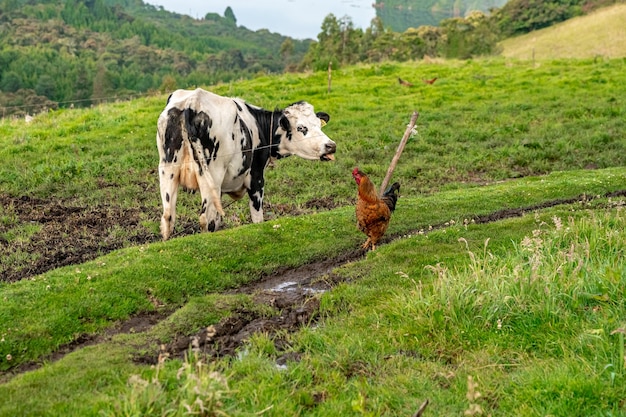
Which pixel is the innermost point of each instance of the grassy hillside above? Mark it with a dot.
(601, 34)
(501, 272)
(482, 121)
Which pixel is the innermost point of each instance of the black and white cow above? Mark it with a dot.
(222, 145)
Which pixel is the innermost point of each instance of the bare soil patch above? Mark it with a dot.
(67, 234)
(71, 234)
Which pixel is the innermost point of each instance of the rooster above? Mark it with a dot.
(431, 81)
(373, 212)
(405, 82)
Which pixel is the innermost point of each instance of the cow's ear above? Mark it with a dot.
(323, 116)
(284, 123)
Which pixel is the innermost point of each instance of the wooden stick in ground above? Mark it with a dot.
(396, 157)
(420, 411)
(330, 71)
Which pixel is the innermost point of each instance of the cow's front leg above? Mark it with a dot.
(209, 219)
(256, 198)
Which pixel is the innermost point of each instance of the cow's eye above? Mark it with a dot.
(303, 129)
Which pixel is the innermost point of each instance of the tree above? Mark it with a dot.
(469, 37)
(102, 83)
(11, 82)
(168, 84)
(286, 49)
(46, 86)
(522, 16)
(338, 42)
(213, 17)
(230, 16)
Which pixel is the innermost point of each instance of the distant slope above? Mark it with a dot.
(598, 34)
(399, 15)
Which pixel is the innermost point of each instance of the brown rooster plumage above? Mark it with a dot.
(405, 82)
(373, 212)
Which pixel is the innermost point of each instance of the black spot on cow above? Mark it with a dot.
(173, 135)
(167, 197)
(246, 147)
(256, 203)
(303, 130)
(198, 126)
(256, 187)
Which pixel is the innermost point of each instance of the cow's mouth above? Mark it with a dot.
(327, 157)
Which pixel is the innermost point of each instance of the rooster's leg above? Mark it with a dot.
(367, 243)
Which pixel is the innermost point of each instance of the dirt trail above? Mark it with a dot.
(292, 292)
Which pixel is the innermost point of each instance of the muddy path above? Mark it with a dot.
(291, 292)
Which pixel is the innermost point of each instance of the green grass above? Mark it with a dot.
(525, 308)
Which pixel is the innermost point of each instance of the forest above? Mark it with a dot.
(58, 54)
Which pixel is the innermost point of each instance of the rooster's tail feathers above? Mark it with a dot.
(390, 197)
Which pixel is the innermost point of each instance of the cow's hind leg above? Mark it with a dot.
(168, 179)
(211, 211)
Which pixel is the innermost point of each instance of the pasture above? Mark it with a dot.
(502, 271)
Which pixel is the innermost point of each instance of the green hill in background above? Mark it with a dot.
(53, 53)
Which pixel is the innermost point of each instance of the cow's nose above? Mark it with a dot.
(331, 147)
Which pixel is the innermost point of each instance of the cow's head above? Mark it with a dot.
(303, 134)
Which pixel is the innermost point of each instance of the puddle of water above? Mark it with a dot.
(293, 286)
(285, 286)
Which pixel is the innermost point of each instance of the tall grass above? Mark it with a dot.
(555, 299)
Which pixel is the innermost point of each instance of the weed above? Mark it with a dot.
(473, 395)
(198, 389)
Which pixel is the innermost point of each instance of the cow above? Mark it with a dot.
(221, 145)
